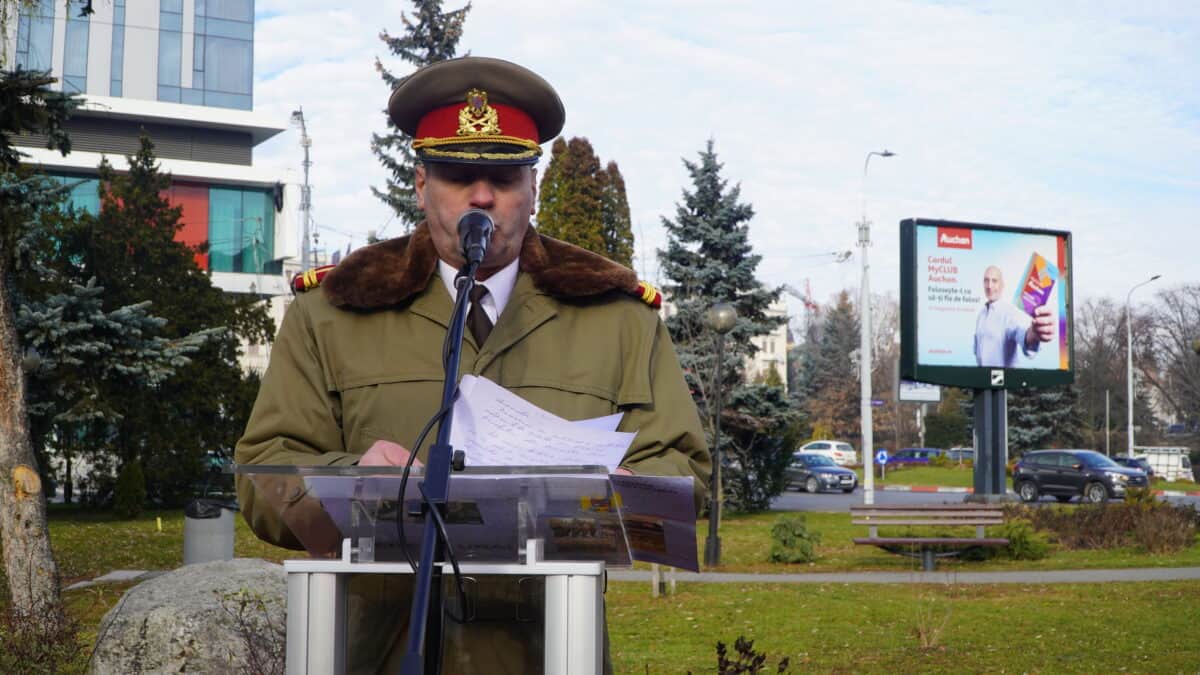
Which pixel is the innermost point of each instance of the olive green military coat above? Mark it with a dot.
(359, 360)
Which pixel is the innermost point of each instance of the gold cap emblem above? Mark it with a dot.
(478, 118)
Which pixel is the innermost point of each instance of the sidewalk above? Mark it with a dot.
(919, 577)
(913, 577)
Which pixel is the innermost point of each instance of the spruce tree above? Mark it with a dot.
(27, 104)
(1045, 417)
(429, 36)
(708, 259)
(829, 376)
(130, 250)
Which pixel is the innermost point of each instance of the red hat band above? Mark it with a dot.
(476, 121)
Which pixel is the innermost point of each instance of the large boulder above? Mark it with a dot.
(217, 617)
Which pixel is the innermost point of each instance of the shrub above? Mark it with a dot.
(1024, 542)
(130, 493)
(791, 540)
(45, 641)
(941, 461)
(745, 660)
(1145, 522)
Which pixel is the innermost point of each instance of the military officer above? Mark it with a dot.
(356, 370)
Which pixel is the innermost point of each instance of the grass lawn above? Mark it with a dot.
(865, 628)
(827, 627)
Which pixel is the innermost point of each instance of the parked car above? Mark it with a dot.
(841, 453)
(815, 472)
(914, 456)
(1135, 463)
(1064, 474)
(957, 455)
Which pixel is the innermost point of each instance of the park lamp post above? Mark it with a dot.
(864, 359)
(721, 318)
(1129, 360)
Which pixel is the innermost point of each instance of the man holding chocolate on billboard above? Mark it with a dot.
(1002, 330)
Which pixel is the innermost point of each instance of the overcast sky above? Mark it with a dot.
(1083, 116)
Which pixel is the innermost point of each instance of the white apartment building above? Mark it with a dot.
(772, 347)
(182, 70)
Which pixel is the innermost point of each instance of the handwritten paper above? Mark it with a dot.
(495, 427)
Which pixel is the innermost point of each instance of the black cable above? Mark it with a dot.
(404, 486)
(441, 526)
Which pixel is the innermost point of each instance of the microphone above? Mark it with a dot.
(475, 233)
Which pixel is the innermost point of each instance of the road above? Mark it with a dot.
(838, 501)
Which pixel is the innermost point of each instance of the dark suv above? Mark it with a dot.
(1067, 473)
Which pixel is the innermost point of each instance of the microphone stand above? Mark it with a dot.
(424, 650)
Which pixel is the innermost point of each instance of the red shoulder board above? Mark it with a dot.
(309, 279)
(648, 294)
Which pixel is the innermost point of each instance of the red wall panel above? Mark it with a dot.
(193, 197)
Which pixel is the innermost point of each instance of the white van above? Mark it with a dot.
(1168, 463)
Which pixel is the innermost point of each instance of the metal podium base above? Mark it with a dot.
(573, 611)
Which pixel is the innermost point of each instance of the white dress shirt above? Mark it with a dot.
(500, 287)
(999, 334)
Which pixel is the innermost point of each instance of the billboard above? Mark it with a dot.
(985, 306)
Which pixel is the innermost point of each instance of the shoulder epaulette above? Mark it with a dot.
(309, 279)
(648, 294)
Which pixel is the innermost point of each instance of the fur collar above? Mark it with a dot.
(392, 271)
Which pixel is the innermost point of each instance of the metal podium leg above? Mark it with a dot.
(555, 621)
(574, 629)
(585, 625)
(316, 624)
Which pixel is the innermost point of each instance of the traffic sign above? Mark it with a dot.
(876, 402)
(881, 457)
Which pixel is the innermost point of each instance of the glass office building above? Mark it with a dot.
(181, 71)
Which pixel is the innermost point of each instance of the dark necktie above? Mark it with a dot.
(477, 320)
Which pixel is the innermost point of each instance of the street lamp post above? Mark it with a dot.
(1129, 359)
(721, 318)
(864, 359)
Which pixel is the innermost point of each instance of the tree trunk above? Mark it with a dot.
(28, 560)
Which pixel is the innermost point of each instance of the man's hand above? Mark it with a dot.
(1042, 328)
(386, 453)
(622, 471)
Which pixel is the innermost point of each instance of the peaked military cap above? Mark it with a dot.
(477, 110)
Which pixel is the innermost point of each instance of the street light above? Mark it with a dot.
(721, 317)
(864, 361)
(1129, 359)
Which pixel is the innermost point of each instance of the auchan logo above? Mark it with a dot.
(953, 237)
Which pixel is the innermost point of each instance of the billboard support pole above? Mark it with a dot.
(991, 445)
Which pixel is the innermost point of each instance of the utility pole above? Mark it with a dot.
(864, 359)
(305, 193)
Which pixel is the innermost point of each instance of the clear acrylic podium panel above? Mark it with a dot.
(492, 512)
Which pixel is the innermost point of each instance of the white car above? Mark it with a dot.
(842, 454)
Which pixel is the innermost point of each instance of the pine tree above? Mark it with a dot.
(614, 212)
(430, 36)
(570, 197)
(27, 104)
(830, 376)
(708, 259)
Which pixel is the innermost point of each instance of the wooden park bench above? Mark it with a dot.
(938, 515)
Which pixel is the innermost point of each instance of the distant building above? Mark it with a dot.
(772, 347)
(183, 70)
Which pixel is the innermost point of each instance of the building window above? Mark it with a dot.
(170, 50)
(241, 230)
(75, 57)
(223, 54)
(35, 36)
(118, 49)
(85, 192)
